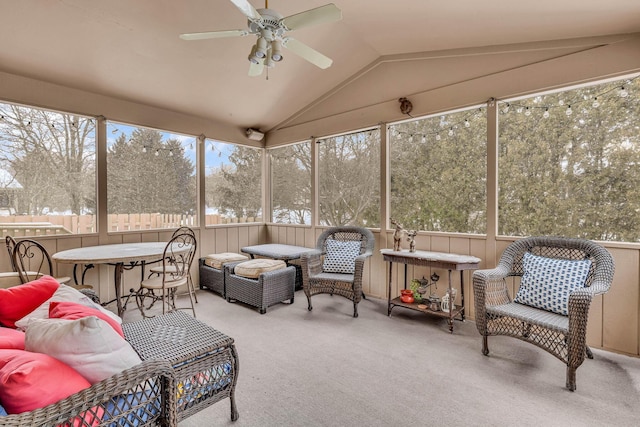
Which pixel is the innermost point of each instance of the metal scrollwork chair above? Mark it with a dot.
(11, 248)
(158, 268)
(559, 278)
(31, 260)
(337, 264)
(176, 264)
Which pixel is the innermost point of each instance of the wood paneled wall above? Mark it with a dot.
(614, 320)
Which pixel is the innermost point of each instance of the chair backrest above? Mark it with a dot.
(11, 247)
(178, 254)
(182, 230)
(602, 266)
(31, 260)
(346, 234)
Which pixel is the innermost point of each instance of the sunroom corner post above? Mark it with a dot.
(102, 218)
(492, 181)
(201, 174)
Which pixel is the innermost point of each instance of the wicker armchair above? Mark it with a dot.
(315, 280)
(562, 336)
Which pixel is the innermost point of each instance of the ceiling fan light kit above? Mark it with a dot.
(271, 27)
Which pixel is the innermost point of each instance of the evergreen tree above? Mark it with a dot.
(148, 175)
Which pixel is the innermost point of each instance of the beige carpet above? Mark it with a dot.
(325, 368)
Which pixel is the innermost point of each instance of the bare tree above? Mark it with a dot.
(51, 154)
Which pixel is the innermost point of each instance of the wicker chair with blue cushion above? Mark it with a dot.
(337, 264)
(558, 279)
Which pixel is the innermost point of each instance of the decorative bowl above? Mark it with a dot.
(406, 296)
(407, 299)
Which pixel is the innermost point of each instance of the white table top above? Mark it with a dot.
(276, 251)
(109, 254)
(433, 256)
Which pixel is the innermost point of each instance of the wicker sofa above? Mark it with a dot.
(183, 367)
(109, 402)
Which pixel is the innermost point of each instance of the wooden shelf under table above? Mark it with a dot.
(447, 261)
(458, 311)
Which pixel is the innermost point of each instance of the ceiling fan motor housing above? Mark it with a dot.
(269, 26)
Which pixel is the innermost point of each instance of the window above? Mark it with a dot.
(151, 181)
(568, 163)
(233, 183)
(47, 172)
(349, 179)
(438, 172)
(291, 183)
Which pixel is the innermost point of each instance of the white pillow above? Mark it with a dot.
(88, 345)
(340, 256)
(63, 293)
(547, 282)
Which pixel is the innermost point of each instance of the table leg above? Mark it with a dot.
(406, 272)
(450, 306)
(389, 299)
(462, 294)
(117, 279)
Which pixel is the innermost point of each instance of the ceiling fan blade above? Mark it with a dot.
(319, 15)
(256, 69)
(310, 54)
(246, 8)
(213, 35)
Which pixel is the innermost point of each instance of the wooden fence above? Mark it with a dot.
(51, 225)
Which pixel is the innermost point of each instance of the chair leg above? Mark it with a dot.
(355, 309)
(193, 289)
(485, 346)
(192, 294)
(589, 352)
(309, 302)
(140, 296)
(571, 378)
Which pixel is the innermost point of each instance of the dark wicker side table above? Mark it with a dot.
(204, 359)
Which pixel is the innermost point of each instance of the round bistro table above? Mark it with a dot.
(132, 254)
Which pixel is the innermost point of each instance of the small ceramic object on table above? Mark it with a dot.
(434, 303)
(406, 296)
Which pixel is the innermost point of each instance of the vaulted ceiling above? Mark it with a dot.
(130, 49)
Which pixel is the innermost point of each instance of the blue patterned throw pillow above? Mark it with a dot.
(340, 256)
(547, 282)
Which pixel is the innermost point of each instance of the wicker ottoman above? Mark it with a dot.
(269, 288)
(212, 273)
(204, 360)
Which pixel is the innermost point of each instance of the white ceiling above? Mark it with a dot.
(131, 50)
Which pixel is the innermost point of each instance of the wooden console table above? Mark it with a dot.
(430, 259)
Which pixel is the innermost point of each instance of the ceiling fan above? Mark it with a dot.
(271, 29)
